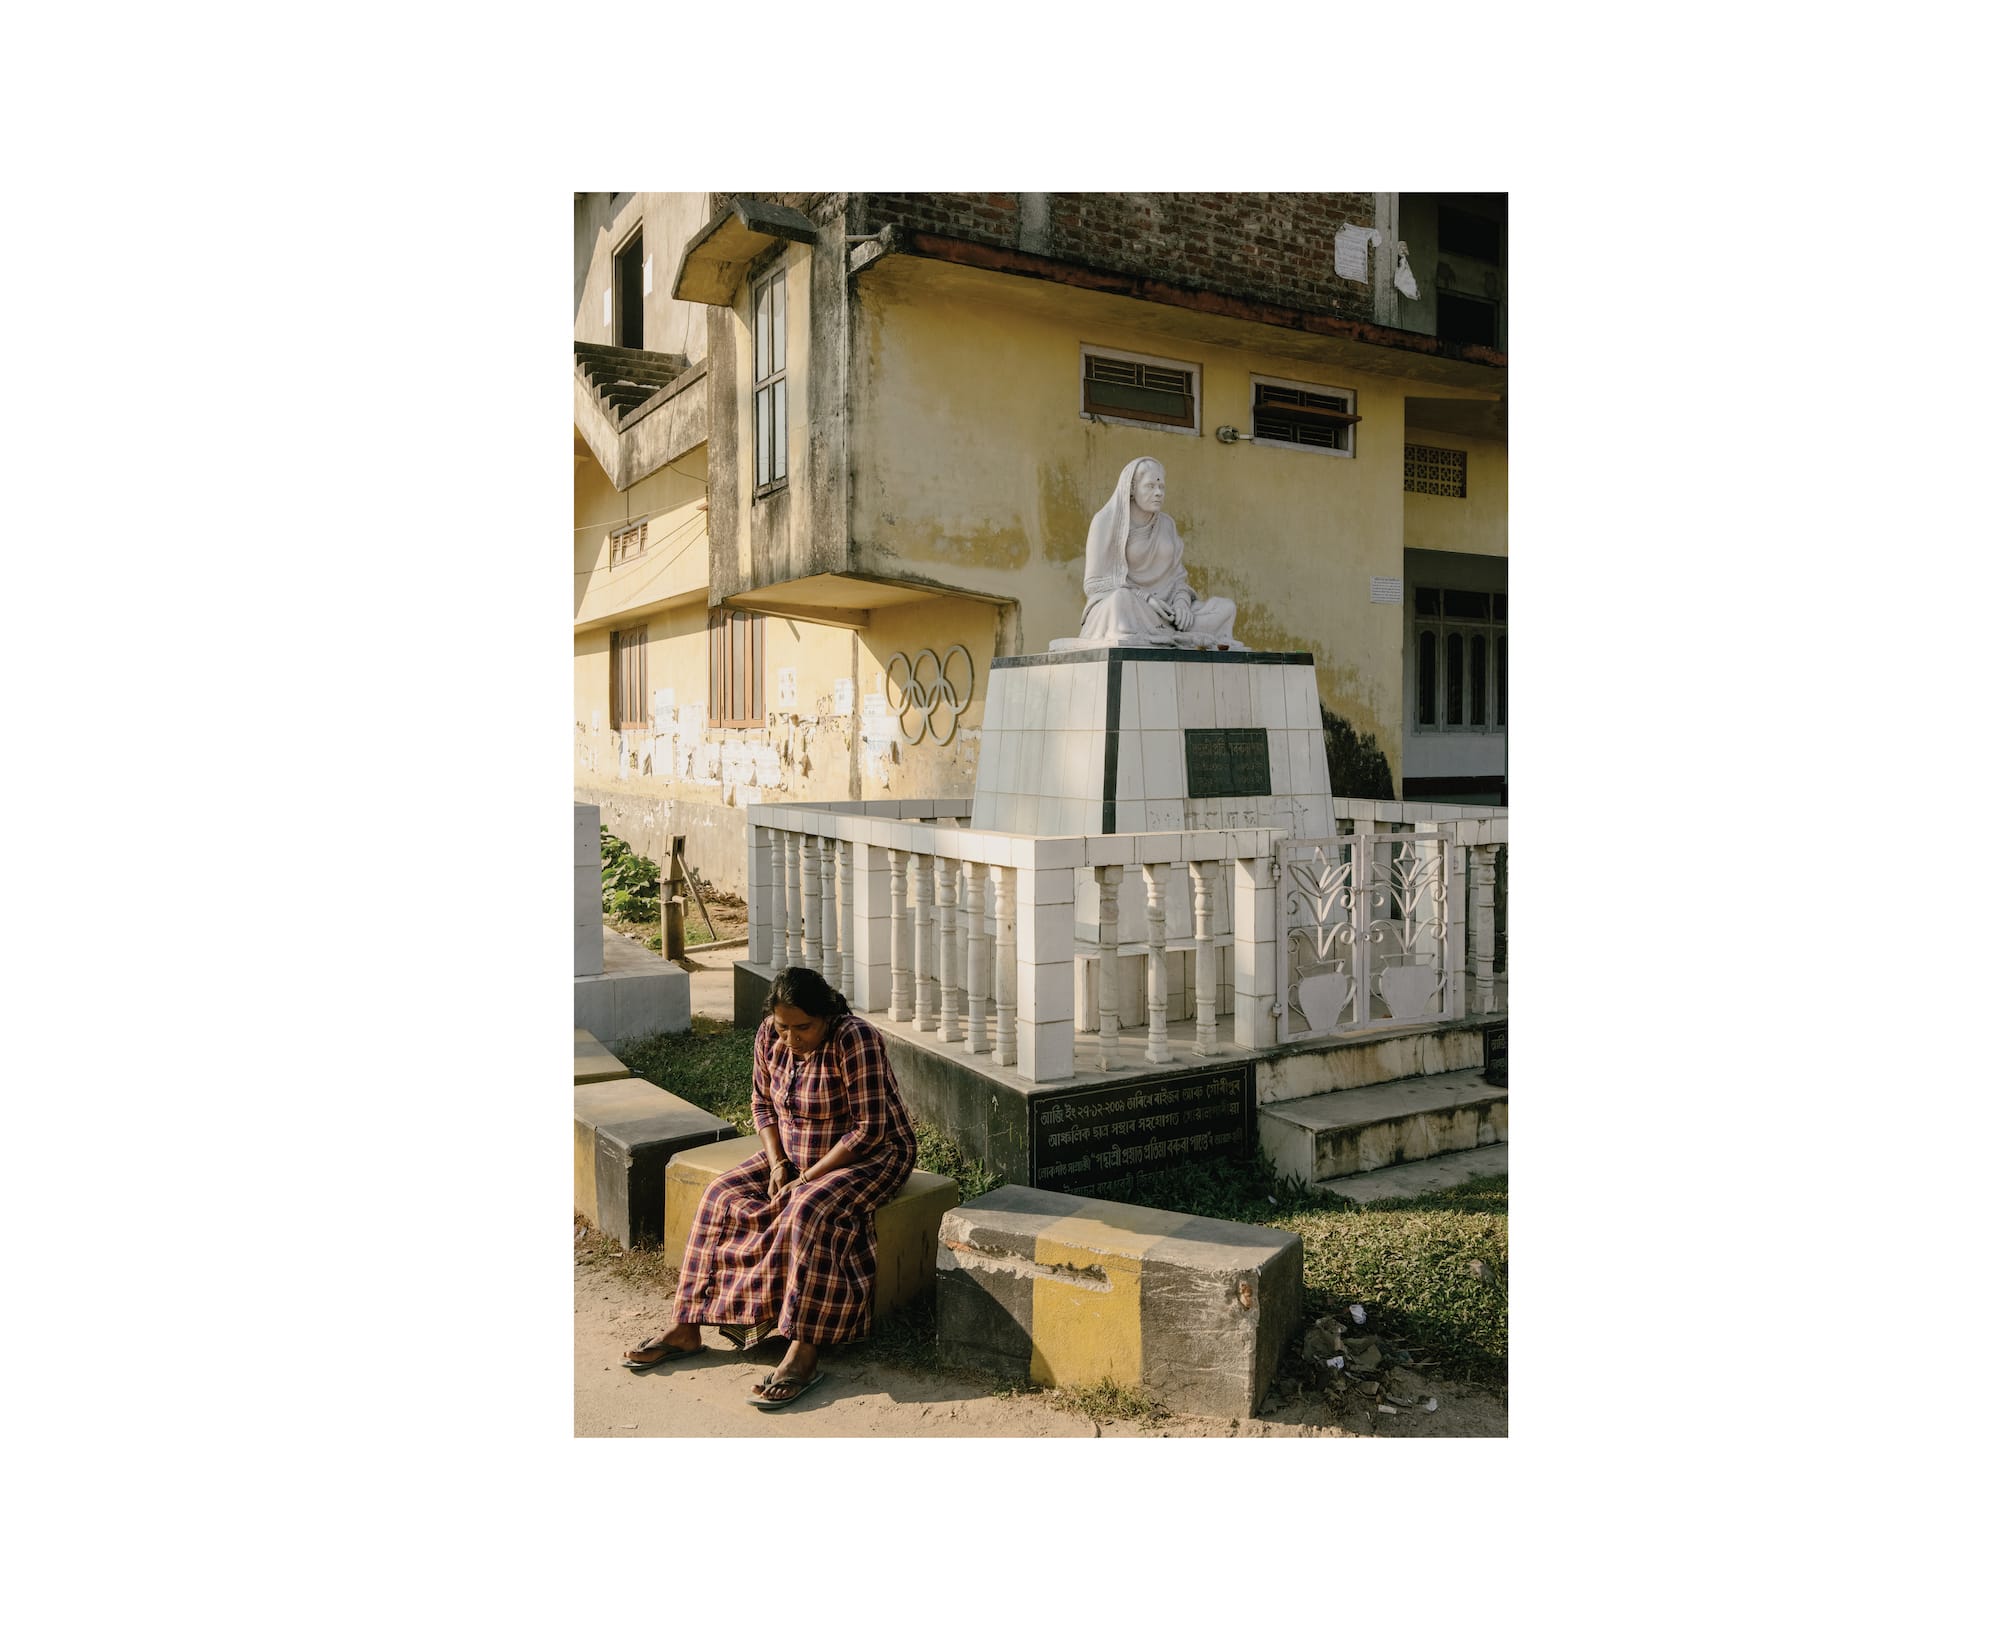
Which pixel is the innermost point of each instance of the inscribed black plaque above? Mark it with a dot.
(1496, 1055)
(1101, 1137)
(1228, 761)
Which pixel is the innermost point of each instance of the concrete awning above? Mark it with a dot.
(841, 599)
(716, 259)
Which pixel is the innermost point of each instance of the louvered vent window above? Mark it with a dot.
(1434, 469)
(1296, 414)
(1140, 391)
(628, 542)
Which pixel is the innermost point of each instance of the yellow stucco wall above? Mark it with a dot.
(674, 564)
(973, 467)
(1475, 524)
(926, 767)
(668, 221)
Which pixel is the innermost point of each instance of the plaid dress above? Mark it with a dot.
(808, 1259)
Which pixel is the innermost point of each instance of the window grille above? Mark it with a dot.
(628, 543)
(1139, 391)
(628, 677)
(1293, 415)
(1461, 647)
(1434, 469)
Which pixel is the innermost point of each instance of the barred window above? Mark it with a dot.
(1316, 416)
(1434, 469)
(735, 668)
(1139, 389)
(1461, 648)
(628, 542)
(628, 677)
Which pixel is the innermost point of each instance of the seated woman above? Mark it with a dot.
(1135, 586)
(786, 1241)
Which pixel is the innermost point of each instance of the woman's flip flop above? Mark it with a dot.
(667, 1353)
(798, 1388)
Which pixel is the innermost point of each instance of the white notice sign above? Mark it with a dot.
(843, 696)
(1385, 591)
(788, 688)
(1350, 250)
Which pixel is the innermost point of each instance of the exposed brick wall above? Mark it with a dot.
(1274, 247)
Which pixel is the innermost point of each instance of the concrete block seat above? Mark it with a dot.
(906, 1229)
(1059, 1289)
(594, 1060)
(626, 1132)
(638, 993)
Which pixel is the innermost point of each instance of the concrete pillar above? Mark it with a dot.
(901, 940)
(809, 878)
(950, 987)
(1109, 878)
(1253, 951)
(1204, 957)
(1006, 1031)
(1156, 964)
(845, 850)
(926, 947)
(1045, 974)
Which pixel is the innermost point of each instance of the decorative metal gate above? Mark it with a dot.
(1371, 932)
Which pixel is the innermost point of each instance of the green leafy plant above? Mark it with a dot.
(631, 883)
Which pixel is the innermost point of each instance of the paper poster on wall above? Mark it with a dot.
(1385, 591)
(594, 720)
(766, 766)
(788, 689)
(663, 709)
(878, 726)
(843, 696)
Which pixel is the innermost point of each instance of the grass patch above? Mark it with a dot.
(1107, 1400)
(709, 1066)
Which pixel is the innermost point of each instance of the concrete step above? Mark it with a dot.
(1434, 1172)
(1334, 1135)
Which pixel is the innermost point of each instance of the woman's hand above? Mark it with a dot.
(782, 1174)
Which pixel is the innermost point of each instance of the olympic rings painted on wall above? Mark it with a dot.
(928, 694)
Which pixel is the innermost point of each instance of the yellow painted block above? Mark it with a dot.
(586, 1171)
(1086, 1317)
(906, 1230)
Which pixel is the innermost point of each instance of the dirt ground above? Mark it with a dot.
(864, 1397)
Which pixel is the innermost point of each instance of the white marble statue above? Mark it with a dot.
(1134, 577)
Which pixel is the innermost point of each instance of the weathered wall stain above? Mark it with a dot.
(1061, 516)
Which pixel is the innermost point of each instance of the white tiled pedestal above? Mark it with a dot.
(1092, 743)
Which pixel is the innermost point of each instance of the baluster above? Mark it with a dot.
(926, 955)
(899, 936)
(794, 910)
(1109, 878)
(829, 912)
(760, 898)
(1204, 958)
(1005, 982)
(846, 984)
(1156, 964)
(779, 907)
(978, 957)
(1483, 864)
(948, 951)
(810, 879)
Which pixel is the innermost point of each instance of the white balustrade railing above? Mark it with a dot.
(972, 936)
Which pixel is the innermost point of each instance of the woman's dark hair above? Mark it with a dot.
(805, 989)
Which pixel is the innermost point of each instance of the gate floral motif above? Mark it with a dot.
(1367, 907)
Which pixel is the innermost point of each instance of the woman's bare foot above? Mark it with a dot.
(790, 1373)
(687, 1336)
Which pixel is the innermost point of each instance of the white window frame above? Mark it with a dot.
(1494, 629)
(1085, 351)
(1353, 405)
(774, 384)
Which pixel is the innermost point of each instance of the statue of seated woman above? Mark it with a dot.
(1135, 577)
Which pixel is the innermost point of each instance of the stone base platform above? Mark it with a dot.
(638, 993)
(626, 1133)
(1435, 1172)
(1097, 1130)
(1055, 1289)
(1336, 1135)
(906, 1230)
(594, 1061)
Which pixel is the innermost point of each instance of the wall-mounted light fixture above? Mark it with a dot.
(1228, 434)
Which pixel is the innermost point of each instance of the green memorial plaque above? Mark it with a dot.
(1228, 761)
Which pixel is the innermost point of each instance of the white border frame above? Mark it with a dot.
(1085, 350)
(1353, 405)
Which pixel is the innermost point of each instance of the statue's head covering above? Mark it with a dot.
(1110, 524)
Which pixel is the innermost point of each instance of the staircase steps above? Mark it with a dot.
(1335, 1136)
(1434, 1172)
